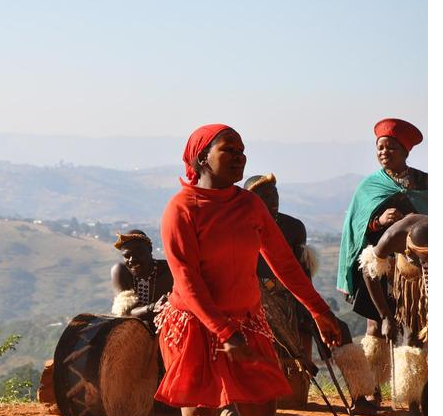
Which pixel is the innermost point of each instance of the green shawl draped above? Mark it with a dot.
(370, 194)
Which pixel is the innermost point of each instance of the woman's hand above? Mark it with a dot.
(237, 350)
(390, 216)
(329, 329)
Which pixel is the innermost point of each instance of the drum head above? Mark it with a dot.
(105, 365)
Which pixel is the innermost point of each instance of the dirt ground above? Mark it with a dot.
(314, 408)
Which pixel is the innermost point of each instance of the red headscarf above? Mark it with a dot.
(196, 143)
(405, 133)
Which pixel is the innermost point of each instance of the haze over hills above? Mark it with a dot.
(290, 162)
(107, 195)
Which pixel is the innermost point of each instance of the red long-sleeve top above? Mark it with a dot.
(212, 239)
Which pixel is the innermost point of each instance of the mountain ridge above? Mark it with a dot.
(95, 193)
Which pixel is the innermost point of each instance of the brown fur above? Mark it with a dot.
(410, 292)
(129, 371)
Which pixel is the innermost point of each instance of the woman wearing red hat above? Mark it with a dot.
(214, 338)
(379, 201)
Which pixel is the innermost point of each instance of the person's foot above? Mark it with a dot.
(376, 398)
(362, 407)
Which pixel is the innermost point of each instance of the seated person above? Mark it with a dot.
(141, 284)
(140, 281)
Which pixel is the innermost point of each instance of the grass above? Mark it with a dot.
(328, 387)
(47, 273)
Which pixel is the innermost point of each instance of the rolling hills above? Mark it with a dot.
(107, 195)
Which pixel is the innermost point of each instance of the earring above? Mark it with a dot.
(202, 162)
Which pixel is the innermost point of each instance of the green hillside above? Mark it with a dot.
(46, 273)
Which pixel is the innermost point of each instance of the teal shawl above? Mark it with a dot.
(370, 194)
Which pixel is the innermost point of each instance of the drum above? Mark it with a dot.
(105, 366)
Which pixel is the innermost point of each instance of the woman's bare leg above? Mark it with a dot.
(250, 409)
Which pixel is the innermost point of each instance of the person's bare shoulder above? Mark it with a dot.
(121, 277)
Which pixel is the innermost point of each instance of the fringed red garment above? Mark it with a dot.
(200, 375)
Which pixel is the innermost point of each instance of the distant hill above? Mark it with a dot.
(320, 205)
(308, 161)
(88, 193)
(108, 195)
(51, 274)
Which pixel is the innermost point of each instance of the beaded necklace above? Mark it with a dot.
(145, 286)
(402, 178)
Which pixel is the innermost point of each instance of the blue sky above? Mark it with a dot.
(292, 71)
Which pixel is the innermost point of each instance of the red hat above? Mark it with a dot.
(197, 142)
(405, 133)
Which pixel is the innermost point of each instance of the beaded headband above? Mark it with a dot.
(269, 178)
(124, 238)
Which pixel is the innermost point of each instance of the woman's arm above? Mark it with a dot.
(281, 259)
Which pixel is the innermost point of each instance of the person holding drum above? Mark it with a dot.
(214, 338)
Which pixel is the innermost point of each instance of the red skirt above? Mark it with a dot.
(197, 375)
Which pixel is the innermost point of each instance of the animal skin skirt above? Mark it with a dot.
(198, 375)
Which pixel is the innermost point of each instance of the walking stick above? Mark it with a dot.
(289, 340)
(311, 370)
(394, 393)
(314, 382)
(326, 360)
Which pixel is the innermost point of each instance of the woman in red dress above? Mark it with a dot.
(214, 338)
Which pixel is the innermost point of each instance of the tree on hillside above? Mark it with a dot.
(16, 385)
(9, 343)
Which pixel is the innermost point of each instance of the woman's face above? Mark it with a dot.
(391, 154)
(226, 160)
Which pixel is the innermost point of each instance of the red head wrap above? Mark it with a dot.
(196, 143)
(405, 133)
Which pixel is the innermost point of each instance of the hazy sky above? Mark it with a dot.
(294, 71)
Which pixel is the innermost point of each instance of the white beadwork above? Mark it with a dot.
(177, 321)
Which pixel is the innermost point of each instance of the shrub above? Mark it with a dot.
(14, 389)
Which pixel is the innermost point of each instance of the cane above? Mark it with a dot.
(311, 370)
(394, 393)
(314, 382)
(326, 360)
